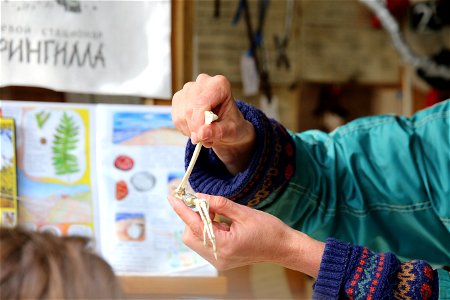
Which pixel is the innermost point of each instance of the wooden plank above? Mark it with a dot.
(182, 28)
(30, 93)
(332, 13)
(338, 44)
(148, 285)
(333, 54)
(331, 41)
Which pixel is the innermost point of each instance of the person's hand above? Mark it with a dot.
(231, 136)
(250, 236)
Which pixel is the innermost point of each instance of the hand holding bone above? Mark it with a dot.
(231, 137)
(250, 236)
(192, 201)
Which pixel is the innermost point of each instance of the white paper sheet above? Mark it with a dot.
(98, 47)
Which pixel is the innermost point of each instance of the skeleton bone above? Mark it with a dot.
(201, 205)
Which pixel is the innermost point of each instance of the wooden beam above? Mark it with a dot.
(181, 45)
(26, 93)
(148, 285)
(182, 28)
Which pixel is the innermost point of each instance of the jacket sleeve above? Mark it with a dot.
(380, 181)
(355, 272)
(374, 181)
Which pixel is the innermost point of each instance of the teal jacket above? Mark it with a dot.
(381, 181)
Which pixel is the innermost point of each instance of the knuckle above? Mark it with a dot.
(176, 96)
(221, 80)
(223, 84)
(202, 76)
(187, 85)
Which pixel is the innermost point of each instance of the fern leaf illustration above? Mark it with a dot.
(65, 140)
(41, 118)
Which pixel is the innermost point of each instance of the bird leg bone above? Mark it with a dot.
(200, 205)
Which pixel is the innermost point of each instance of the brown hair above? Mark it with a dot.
(44, 266)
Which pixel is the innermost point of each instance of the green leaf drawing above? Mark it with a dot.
(41, 118)
(65, 140)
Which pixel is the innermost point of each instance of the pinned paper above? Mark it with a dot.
(249, 74)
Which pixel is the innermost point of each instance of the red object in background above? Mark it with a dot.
(121, 189)
(398, 9)
(432, 98)
(376, 23)
(124, 162)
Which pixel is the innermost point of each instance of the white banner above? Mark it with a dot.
(98, 47)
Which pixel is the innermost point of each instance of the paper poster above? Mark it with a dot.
(98, 47)
(56, 187)
(104, 171)
(8, 176)
(144, 162)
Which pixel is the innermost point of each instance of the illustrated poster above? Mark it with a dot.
(140, 159)
(56, 184)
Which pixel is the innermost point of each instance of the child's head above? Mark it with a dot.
(43, 266)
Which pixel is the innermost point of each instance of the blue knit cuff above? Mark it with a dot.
(271, 167)
(355, 272)
(332, 270)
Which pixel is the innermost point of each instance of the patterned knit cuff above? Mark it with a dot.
(355, 272)
(416, 279)
(272, 164)
(332, 270)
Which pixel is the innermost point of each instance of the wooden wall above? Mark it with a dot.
(331, 42)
